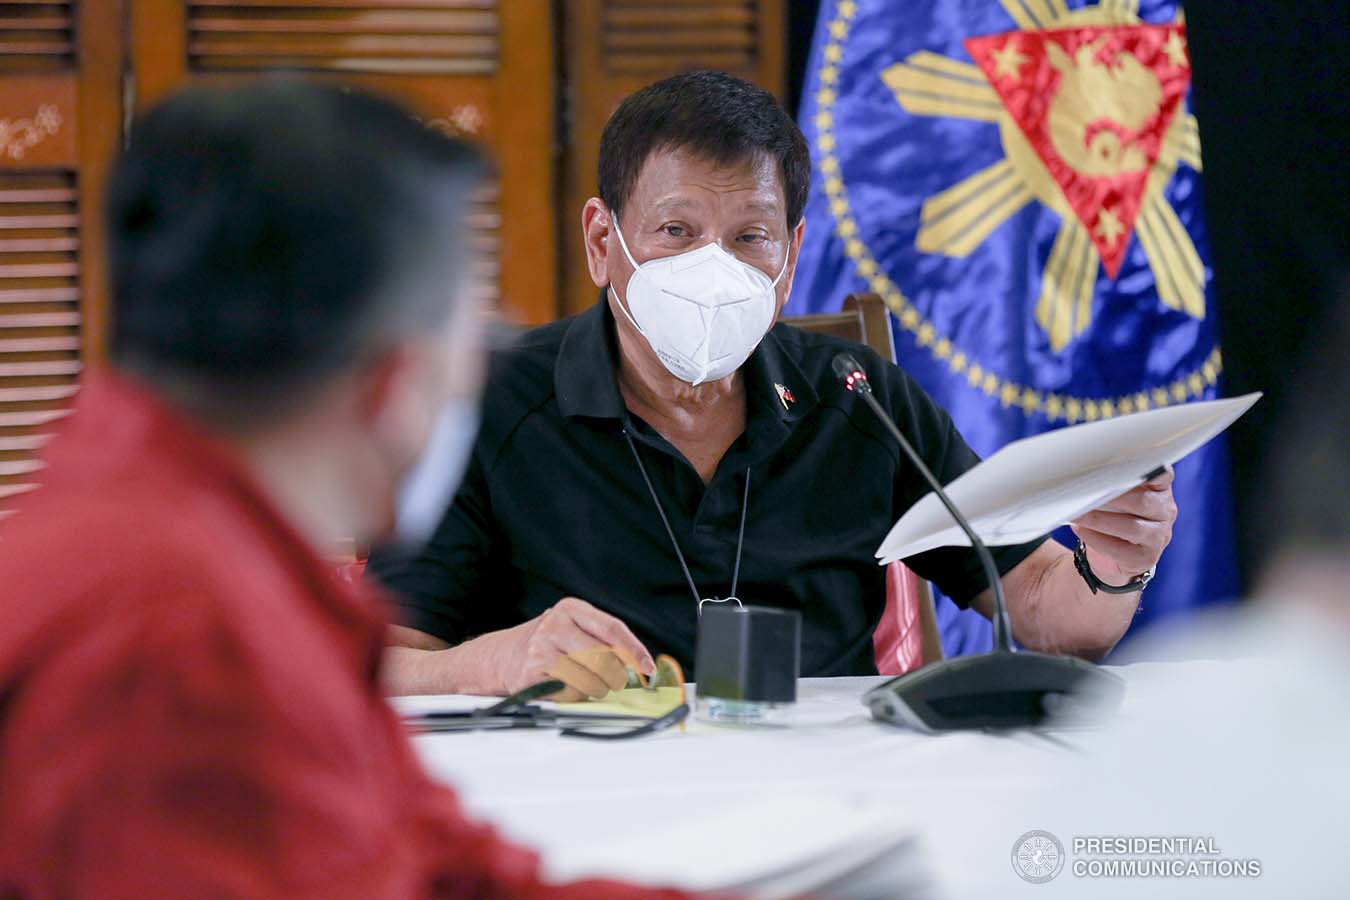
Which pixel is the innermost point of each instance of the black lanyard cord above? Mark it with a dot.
(740, 538)
(670, 532)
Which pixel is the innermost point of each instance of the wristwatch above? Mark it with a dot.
(1080, 562)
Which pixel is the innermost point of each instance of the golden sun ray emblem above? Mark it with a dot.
(1089, 106)
(1099, 152)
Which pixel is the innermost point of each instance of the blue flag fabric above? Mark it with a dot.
(1019, 180)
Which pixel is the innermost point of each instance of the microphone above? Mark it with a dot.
(855, 379)
(1004, 688)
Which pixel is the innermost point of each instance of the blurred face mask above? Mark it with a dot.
(703, 312)
(427, 489)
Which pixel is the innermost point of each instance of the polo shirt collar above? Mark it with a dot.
(585, 382)
(584, 375)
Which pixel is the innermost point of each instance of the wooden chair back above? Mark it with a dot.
(908, 635)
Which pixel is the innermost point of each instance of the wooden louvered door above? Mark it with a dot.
(482, 69)
(60, 118)
(614, 47)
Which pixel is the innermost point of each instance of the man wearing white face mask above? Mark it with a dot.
(191, 700)
(705, 310)
(673, 444)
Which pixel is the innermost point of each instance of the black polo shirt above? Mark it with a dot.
(553, 503)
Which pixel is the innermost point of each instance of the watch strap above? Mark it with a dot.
(1080, 562)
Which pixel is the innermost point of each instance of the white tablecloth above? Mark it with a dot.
(688, 802)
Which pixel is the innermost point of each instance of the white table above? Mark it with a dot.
(629, 808)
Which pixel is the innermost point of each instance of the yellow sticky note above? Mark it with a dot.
(632, 702)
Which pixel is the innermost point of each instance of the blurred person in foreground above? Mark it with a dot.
(189, 697)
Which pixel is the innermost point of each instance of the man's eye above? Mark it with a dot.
(675, 230)
(754, 238)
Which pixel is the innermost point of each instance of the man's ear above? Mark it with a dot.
(596, 224)
(794, 250)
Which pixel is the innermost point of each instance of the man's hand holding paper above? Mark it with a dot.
(1126, 536)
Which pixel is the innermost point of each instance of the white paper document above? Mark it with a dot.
(1033, 486)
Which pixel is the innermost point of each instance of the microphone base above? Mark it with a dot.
(998, 690)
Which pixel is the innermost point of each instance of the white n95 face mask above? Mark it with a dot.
(425, 492)
(703, 312)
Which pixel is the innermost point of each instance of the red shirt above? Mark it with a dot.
(189, 701)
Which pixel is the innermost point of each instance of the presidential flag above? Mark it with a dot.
(1020, 182)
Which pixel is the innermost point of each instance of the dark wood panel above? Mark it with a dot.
(370, 37)
(37, 119)
(478, 69)
(37, 36)
(60, 121)
(638, 37)
(100, 114)
(353, 4)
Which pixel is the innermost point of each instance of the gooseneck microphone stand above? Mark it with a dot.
(1005, 688)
